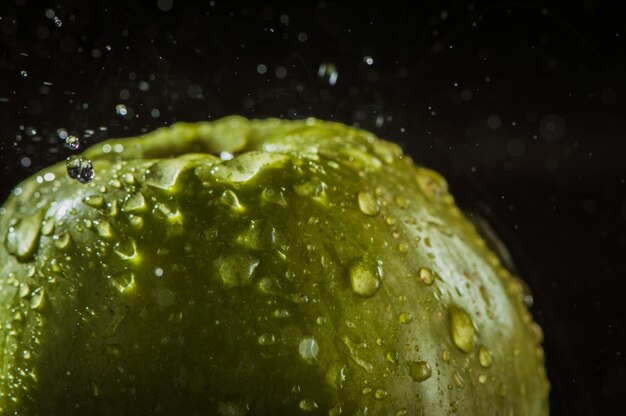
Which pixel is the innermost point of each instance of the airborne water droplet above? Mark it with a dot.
(365, 277)
(72, 142)
(419, 370)
(328, 71)
(462, 329)
(80, 169)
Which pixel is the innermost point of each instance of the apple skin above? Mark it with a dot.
(311, 269)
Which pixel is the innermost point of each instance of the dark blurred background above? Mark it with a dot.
(521, 105)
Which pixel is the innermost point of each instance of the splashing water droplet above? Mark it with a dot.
(72, 142)
(121, 110)
(80, 169)
(328, 71)
(58, 22)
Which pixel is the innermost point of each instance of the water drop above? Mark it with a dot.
(229, 198)
(405, 318)
(458, 379)
(24, 290)
(96, 201)
(24, 73)
(121, 110)
(104, 229)
(266, 339)
(236, 271)
(308, 348)
(47, 228)
(380, 394)
(23, 238)
(368, 204)
(72, 142)
(328, 71)
(134, 203)
(462, 329)
(58, 22)
(426, 276)
(126, 250)
(484, 357)
(274, 196)
(62, 241)
(124, 281)
(38, 300)
(365, 277)
(419, 370)
(308, 405)
(80, 169)
(165, 173)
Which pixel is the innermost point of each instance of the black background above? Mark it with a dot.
(521, 105)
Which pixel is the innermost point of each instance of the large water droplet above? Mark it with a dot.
(124, 281)
(47, 228)
(23, 237)
(236, 271)
(365, 277)
(229, 198)
(308, 348)
(246, 166)
(63, 240)
(96, 201)
(462, 329)
(484, 357)
(80, 168)
(134, 203)
(164, 173)
(126, 250)
(104, 229)
(274, 196)
(39, 300)
(368, 204)
(419, 370)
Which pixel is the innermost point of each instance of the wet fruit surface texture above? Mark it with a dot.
(257, 268)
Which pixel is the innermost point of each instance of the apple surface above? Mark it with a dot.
(257, 267)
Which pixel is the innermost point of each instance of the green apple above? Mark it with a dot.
(256, 267)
